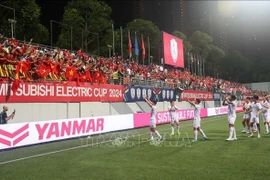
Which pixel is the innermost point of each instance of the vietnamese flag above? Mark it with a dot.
(71, 73)
(16, 83)
(23, 66)
(129, 45)
(43, 71)
(143, 49)
(54, 67)
(86, 76)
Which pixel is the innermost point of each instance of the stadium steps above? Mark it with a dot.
(121, 108)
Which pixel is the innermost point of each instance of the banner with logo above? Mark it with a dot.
(61, 92)
(191, 94)
(15, 135)
(137, 93)
(142, 119)
(221, 110)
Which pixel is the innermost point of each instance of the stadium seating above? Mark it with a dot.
(26, 62)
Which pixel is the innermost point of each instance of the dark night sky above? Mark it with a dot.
(247, 24)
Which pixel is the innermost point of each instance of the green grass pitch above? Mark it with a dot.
(127, 155)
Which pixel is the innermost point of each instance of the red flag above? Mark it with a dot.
(16, 83)
(129, 45)
(23, 66)
(43, 71)
(143, 48)
(71, 73)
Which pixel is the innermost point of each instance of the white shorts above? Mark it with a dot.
(254, 120)
(266, 117)
(153, 123)
(174, 119)
(231, 119)
(246, 116)
(196, 123)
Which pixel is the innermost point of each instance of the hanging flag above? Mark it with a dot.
(143, 49)
(136, 45)
(129, 45)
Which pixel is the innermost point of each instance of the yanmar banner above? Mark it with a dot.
(191, 94)
(15, 135)
(69, 92)
(137, 93)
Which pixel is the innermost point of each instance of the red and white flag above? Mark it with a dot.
(143, 48)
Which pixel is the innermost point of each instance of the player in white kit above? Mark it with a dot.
(247, 110)
(232, 104)
(153, 120)
(266, 114)
(254, 125)
(197, 120)
(174, 119)
(256, 110)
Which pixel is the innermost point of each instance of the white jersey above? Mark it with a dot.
(153, 113)
(255, 108)
(232, 109)
(264, 109)
(247, 107)
(172, 111)
(197, 112)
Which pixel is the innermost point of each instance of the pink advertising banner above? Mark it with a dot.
(163, 117)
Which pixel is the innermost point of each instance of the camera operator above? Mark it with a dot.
(3, 116)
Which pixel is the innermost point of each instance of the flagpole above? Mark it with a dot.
(122, 52)
(143, 49)
(198, 65)
(113, 39)
(148, 41)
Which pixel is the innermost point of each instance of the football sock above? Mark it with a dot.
(231, 132)
(172, 129)
(266, 127)
(195, 134)
(202, 133)
(158, 133)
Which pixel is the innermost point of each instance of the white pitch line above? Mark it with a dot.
(77, 147)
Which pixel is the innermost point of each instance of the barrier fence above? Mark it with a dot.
(24, 134)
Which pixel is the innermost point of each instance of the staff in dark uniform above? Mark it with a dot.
(3, 116)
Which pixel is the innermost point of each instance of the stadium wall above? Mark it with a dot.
(24, 134)
(32, 112)
(262, 86)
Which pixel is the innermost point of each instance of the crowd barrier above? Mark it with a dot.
(23, 134)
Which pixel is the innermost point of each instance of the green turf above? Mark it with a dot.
(175, 158)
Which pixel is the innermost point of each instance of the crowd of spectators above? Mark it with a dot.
(26, 62)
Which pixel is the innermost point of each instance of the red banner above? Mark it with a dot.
(173, 50)
(247, 95)
(191, 94)
(61, 92)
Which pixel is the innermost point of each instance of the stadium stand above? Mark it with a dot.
(21, 61)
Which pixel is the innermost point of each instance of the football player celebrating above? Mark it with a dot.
(256, 110)
(231, 103)
(247, 110)
(265, 114)
(197, 119)
(174, 120)
(153, 120)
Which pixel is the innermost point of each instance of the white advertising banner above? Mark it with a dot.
(15, 135)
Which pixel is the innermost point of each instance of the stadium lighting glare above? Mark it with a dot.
(227, 8)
